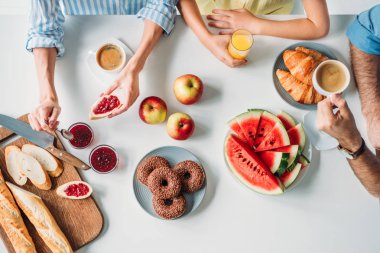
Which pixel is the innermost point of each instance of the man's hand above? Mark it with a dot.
(45, 116)
(340, 125)
(217, 44)
(128, 81)
(232, 20)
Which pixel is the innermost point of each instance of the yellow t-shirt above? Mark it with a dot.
(255, 6)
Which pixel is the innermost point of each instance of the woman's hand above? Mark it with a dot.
(45, 116)
(217, 44)
(232, 20)
(128, 82)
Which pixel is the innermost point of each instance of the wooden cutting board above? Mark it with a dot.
(80, 220)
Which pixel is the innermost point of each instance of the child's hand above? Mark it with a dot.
(217, 44)
(232, 20)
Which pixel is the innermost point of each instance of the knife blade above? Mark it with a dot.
(41, 139)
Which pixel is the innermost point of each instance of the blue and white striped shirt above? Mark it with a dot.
(47, 16)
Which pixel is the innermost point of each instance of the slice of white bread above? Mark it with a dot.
(61, 189)
(12, 222)
(41, 218)
(12, 165)
(33, 170)
(48, 162)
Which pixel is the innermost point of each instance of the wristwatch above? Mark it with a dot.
(350, 154)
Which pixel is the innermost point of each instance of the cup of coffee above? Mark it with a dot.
(331, 77)
(110, 57)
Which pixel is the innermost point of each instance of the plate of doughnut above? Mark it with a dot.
(169, 182)
(293, 71)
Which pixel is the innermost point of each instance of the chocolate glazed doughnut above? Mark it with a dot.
(191, 174)
(164, 183)
(148, 165)
(169, 208)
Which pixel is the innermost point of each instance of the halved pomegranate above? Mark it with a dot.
(104, 106)
(75, 190)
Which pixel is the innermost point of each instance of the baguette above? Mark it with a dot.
(12, 222)
(12, 165)
(31, 168)
(48, 162)
(41, 218)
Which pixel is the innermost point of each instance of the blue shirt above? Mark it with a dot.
(47, 16)
(364, 32)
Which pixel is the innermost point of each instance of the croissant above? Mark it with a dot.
(296, 89)
(310, 94)
(317, 56)
(300, 65)
(318, 98)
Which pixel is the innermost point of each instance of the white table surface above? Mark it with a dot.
(329, 211)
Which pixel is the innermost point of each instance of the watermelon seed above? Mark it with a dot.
(244, 159)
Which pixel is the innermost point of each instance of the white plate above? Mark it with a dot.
(106, 77)
(307, 152)
(174, 155)
(319, 139)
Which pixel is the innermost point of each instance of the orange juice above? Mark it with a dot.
(240, 43)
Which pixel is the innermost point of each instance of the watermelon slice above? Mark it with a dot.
(297, 136)
(274, 160)
(267, 122)
(277, 137)
(287, 120)
(304, 161)
(288, 177)
(249, 169)
(235, 127)
(248, 122)
(294, 154)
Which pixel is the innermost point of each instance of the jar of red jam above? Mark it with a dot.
(83, 135)
(104, 159)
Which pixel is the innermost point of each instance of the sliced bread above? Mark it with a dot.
(48, 162)
(13, 167)
(33, 170)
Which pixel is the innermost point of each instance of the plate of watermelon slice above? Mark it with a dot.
(268, 153)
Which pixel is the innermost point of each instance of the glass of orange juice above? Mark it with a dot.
(240, 44)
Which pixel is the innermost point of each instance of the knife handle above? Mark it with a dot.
(67, 157)
(378, 153)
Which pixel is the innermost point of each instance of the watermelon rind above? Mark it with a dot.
(294, 154)
(303, 161)
(283, 134)
(245, 117)
(287, 120)
(301, 136)
(277, 191)
(275, 160)
(289, 177)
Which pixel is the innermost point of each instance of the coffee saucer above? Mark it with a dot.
(103, 76)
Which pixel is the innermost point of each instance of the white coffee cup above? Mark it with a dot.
(121, 51)
(341, 67)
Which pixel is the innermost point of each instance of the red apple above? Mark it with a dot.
(188, 89)
(180, 126)
(153, 110)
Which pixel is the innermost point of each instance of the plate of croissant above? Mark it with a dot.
(293, 72)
